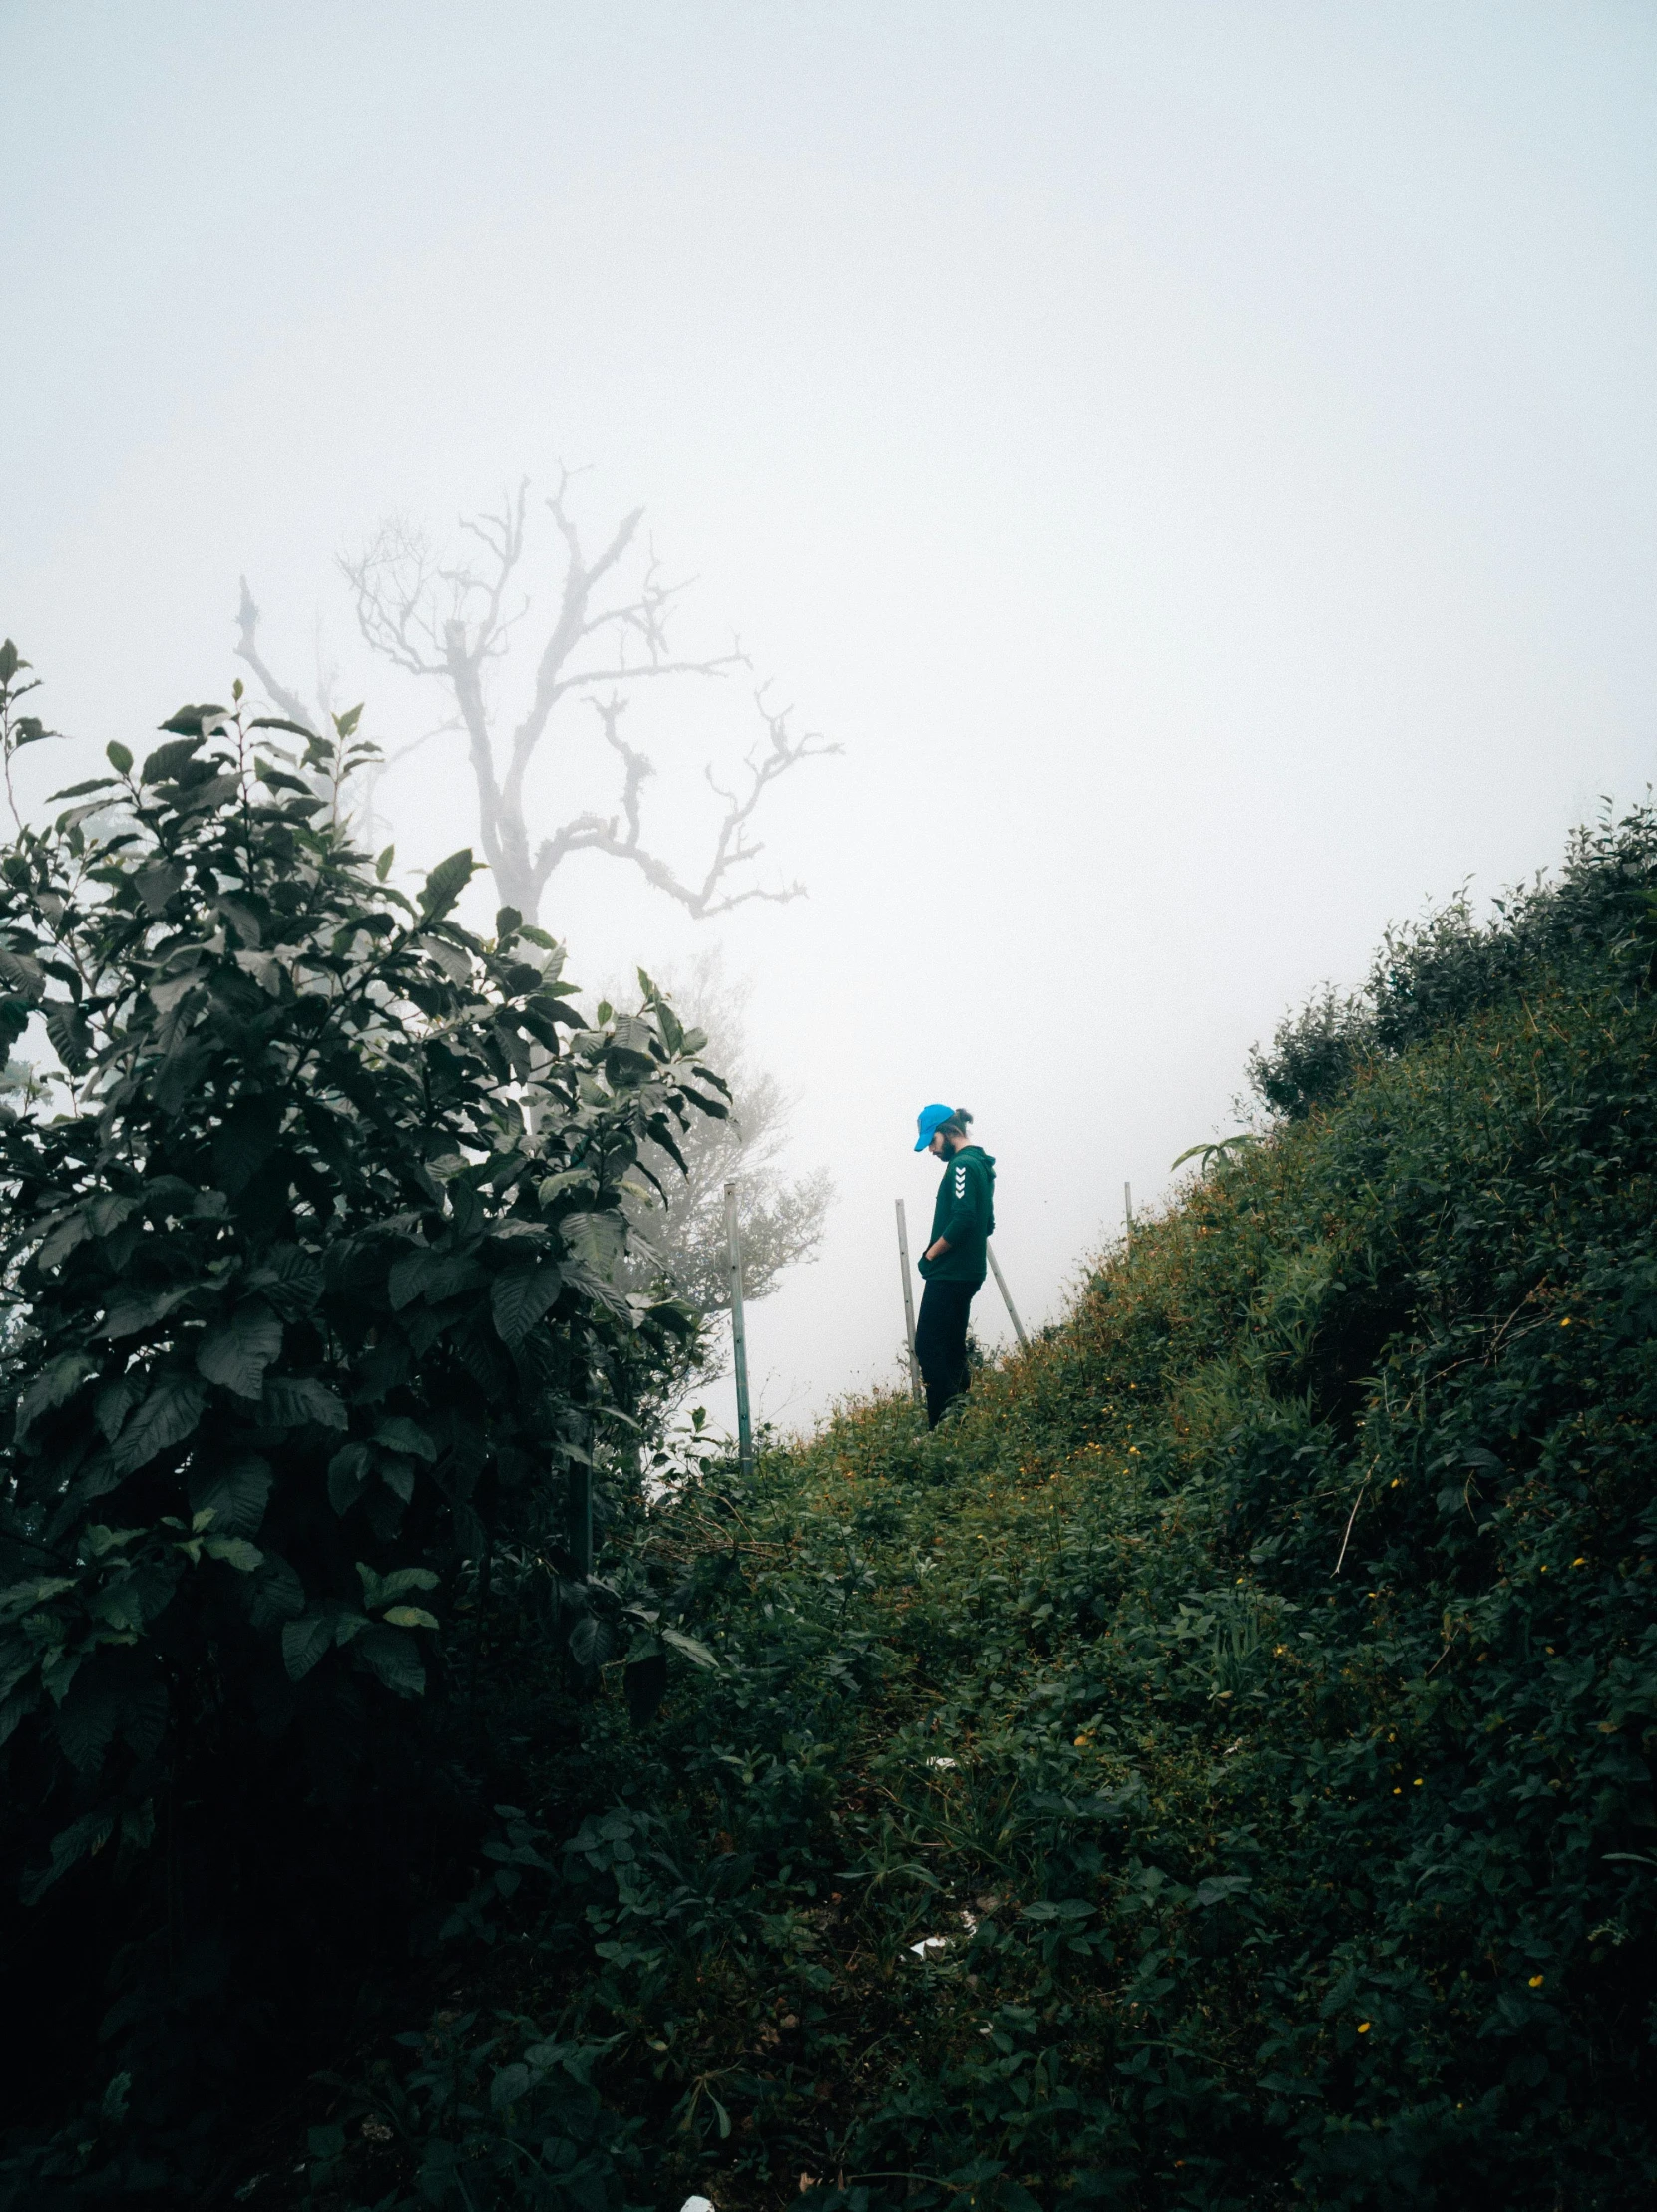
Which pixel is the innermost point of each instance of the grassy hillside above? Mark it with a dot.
(1252, 1698)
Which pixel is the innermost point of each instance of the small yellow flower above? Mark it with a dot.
(1536, 1981)
(1580, 1563)
(1363, 2027)
(1398, 1794)
(1565, 1323)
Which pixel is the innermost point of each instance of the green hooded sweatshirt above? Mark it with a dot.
(965, 1215)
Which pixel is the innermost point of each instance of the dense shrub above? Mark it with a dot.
(1601, 906)
(310, 1243)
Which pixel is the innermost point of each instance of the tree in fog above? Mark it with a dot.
(781, 1219)
(455, 619)
(594, 628)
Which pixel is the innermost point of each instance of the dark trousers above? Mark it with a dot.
(941, 1343)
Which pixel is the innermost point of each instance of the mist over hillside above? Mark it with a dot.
(601, 602)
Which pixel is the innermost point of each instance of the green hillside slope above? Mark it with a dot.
(1248, 1705)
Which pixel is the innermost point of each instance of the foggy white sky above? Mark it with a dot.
(1199, 461)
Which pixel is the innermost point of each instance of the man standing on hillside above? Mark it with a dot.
(953, 1264)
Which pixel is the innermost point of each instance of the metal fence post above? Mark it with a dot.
(1007, 1294)
(908, 1304)
(738, 1333)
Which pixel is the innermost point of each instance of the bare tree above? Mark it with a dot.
(452, 617)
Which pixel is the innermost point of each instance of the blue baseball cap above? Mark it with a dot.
(927, 1121)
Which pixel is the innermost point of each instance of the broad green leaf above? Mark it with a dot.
(157, 884)
(26, 1596)
(106, 1214)
(399, 1435)
(566, 1179)
(596, 1239)
(592, 1640)
(698, 1653)
(78, 791)
(432, 1275)
(1219, 1887)
(395, 1659)
(86, 1721)
(280, 722)
(290, 1401)
(234, 1492)
(131, 1312)
(22, 974)
(166, 760)
(632, 1039)
(348, 1470)
(411, 1617)
(275, 1592)
(69, 1036)
(65, 1233)
(52, 1387)
(397, 1473)
(234, 1551)
(236, 1355)
(98, 1539)
(518, 1299)
(166, 1416)
(291, 1278)
(446, 883)
(380, 1590)
(117, 756)
(305, 1642)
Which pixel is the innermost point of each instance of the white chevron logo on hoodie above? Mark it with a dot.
(960, 1182)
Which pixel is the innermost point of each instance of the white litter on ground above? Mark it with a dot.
(697, 2204)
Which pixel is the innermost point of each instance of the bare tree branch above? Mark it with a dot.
(247, 648)
(590, 832)
(449, 618)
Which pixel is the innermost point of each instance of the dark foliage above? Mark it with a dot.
(1441, 970)
(311, 1245)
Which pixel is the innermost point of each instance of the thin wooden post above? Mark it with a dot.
(738, 1333)
(908, 1305)
(1007, 1294)
(1127, 1208)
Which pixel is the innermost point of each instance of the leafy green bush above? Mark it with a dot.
(1449, 965)
(313, 1236)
